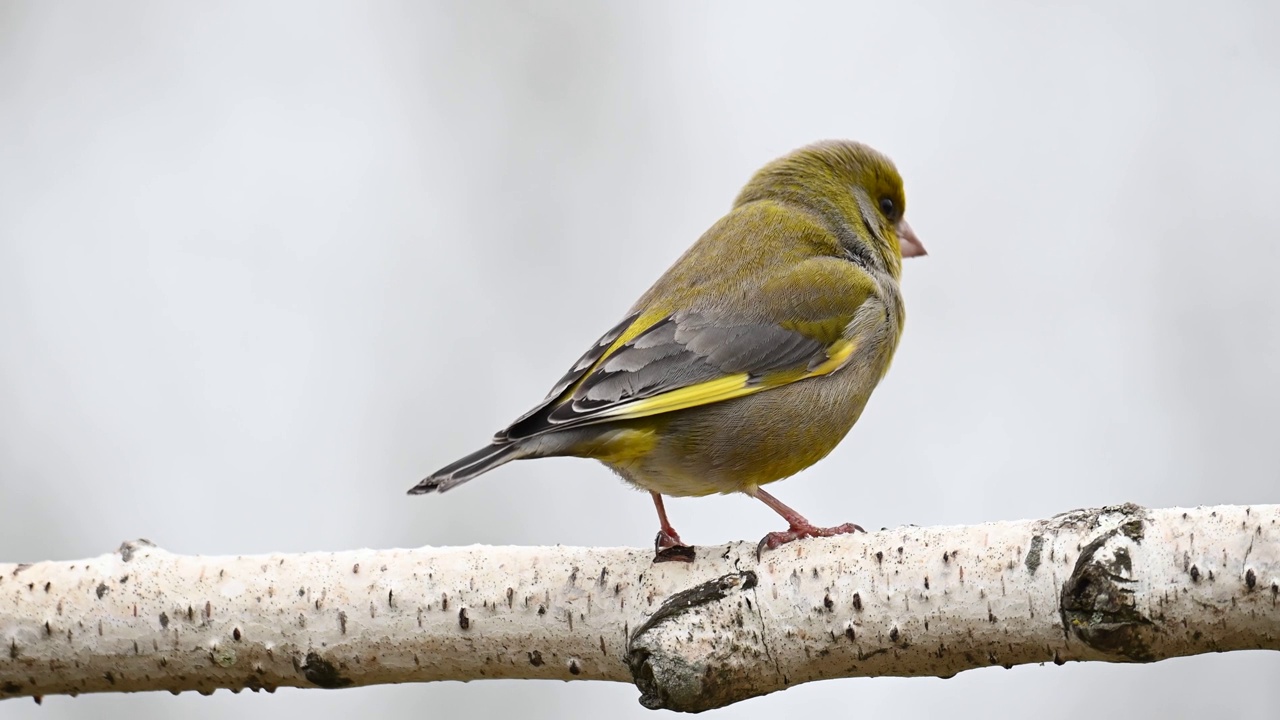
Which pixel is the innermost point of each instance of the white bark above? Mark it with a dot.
(1120, 584)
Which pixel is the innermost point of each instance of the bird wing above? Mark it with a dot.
(688, 358)
(589, 359)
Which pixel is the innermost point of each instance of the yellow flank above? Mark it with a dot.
(720, 389)
(622, 447)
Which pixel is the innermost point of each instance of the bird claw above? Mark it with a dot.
(668, 547)
(774, 540)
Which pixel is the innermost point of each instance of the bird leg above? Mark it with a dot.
(667, 546)
(799, 526)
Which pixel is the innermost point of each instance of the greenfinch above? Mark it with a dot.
(751, 358)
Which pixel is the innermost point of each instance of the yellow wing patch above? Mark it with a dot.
(724, 388)
(703, 393)
(837, 355)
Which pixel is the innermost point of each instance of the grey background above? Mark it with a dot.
(262, 266)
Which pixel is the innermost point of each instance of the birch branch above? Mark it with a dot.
(1116, 584)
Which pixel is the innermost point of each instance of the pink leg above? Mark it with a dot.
(798, 528)
(668, 546)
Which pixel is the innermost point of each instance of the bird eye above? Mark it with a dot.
(887, 206)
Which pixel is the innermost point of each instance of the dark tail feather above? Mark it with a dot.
(476, 463)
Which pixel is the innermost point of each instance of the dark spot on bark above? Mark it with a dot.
(511, 594)
(827, 602)
(946, 557)
(1134, 529)
(10, 686)
(893, 634)
(879, 557)
(573, 575)
(342, 621)
(1097, 605)
(655, 692)
(848, 632)
(235, 634)
(444, 602)
(1195, 574)
(677, 553)
(1250, 579)
(542, 610)
(573, 668)
(464, 622)
(696, 596)
(129, 547)
(1033, 554)
(13, 649)
(857, 602)
(49, 585)
(101, 590)
(110, 676)
(322, 673)
(164, 620)
(535, 658)
(926, 582)
(899, 549)
(603, 580)
(48, 629)
(355, 569)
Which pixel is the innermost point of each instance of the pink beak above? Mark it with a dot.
(911, 246)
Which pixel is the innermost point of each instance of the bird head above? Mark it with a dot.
(857, 192)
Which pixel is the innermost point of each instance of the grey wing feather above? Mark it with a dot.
(580, 368)
(684, 349)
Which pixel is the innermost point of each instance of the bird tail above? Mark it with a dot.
(477, 463)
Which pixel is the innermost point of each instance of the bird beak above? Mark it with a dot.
(907, 239)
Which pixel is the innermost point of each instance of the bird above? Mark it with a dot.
(750, 358)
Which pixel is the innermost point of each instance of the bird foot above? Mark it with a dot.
(668, 547)
(775, 540)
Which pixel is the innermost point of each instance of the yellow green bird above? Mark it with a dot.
(750, 358)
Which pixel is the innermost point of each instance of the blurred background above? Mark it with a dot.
(264, 265)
